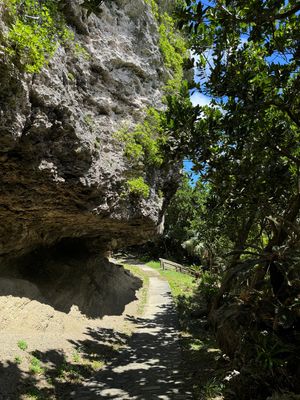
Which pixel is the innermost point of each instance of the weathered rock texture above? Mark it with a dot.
(62, 171)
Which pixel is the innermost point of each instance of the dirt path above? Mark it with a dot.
(149, 367)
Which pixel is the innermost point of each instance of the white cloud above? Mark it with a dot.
(200, 99)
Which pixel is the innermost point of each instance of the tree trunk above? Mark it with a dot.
(277, 278)
(230, 274)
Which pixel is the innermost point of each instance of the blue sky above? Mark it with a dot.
(197, 98)
(187, 167)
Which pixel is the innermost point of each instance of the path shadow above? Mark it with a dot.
(143, 366)
(59, 375)
(148, 367)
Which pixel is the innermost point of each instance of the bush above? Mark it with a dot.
(138, 187)
(144, 143)
(172, 45)
(174, 51)
(36, 28)
(35, 366)
(209, 284)
(22, 344)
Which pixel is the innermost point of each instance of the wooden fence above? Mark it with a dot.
(167, 264)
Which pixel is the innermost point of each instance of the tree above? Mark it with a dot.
(246, 147)
(247, 142)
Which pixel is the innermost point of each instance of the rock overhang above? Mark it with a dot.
(63, 172)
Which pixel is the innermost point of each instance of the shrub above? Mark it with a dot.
(172, 45)
(209, 284)
(174, 51)
(36, 28)
(137, 186)
(144, 143)
(22, 344)
(154, 7)
(35, 366)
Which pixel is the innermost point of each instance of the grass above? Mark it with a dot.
(80, 366)
(33, 394)
(35, 366)
(22, 344)
(212, 389)
(143, 292)
(18, 360)
(76, 357)
(69, 373)
(96, 365)
(180, 284)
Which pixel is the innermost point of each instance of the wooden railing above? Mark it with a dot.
(171, 265)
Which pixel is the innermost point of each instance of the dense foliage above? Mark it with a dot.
(139, 187)
(172, 44)
(245, 146)
(35, 29)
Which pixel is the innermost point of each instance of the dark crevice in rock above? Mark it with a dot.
(74, 15)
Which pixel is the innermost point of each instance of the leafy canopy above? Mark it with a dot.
(247, 143)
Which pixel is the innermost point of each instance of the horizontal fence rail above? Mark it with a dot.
(171, 265)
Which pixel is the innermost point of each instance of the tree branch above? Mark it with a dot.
(288, 13)
(286, 109)
(234, 252)
(286, 153)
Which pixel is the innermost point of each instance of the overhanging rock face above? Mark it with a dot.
(63, 172)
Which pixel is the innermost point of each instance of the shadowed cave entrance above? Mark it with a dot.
(70, 275)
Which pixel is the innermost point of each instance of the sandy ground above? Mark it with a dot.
(43, 328)
(135, 355)
(150, 366)
(50, 335)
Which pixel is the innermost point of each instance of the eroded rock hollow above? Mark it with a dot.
(63, 171)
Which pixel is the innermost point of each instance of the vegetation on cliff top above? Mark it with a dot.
(152, 142)
(35, 29)
(173, 44)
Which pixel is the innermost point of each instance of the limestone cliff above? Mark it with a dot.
(63, 172)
